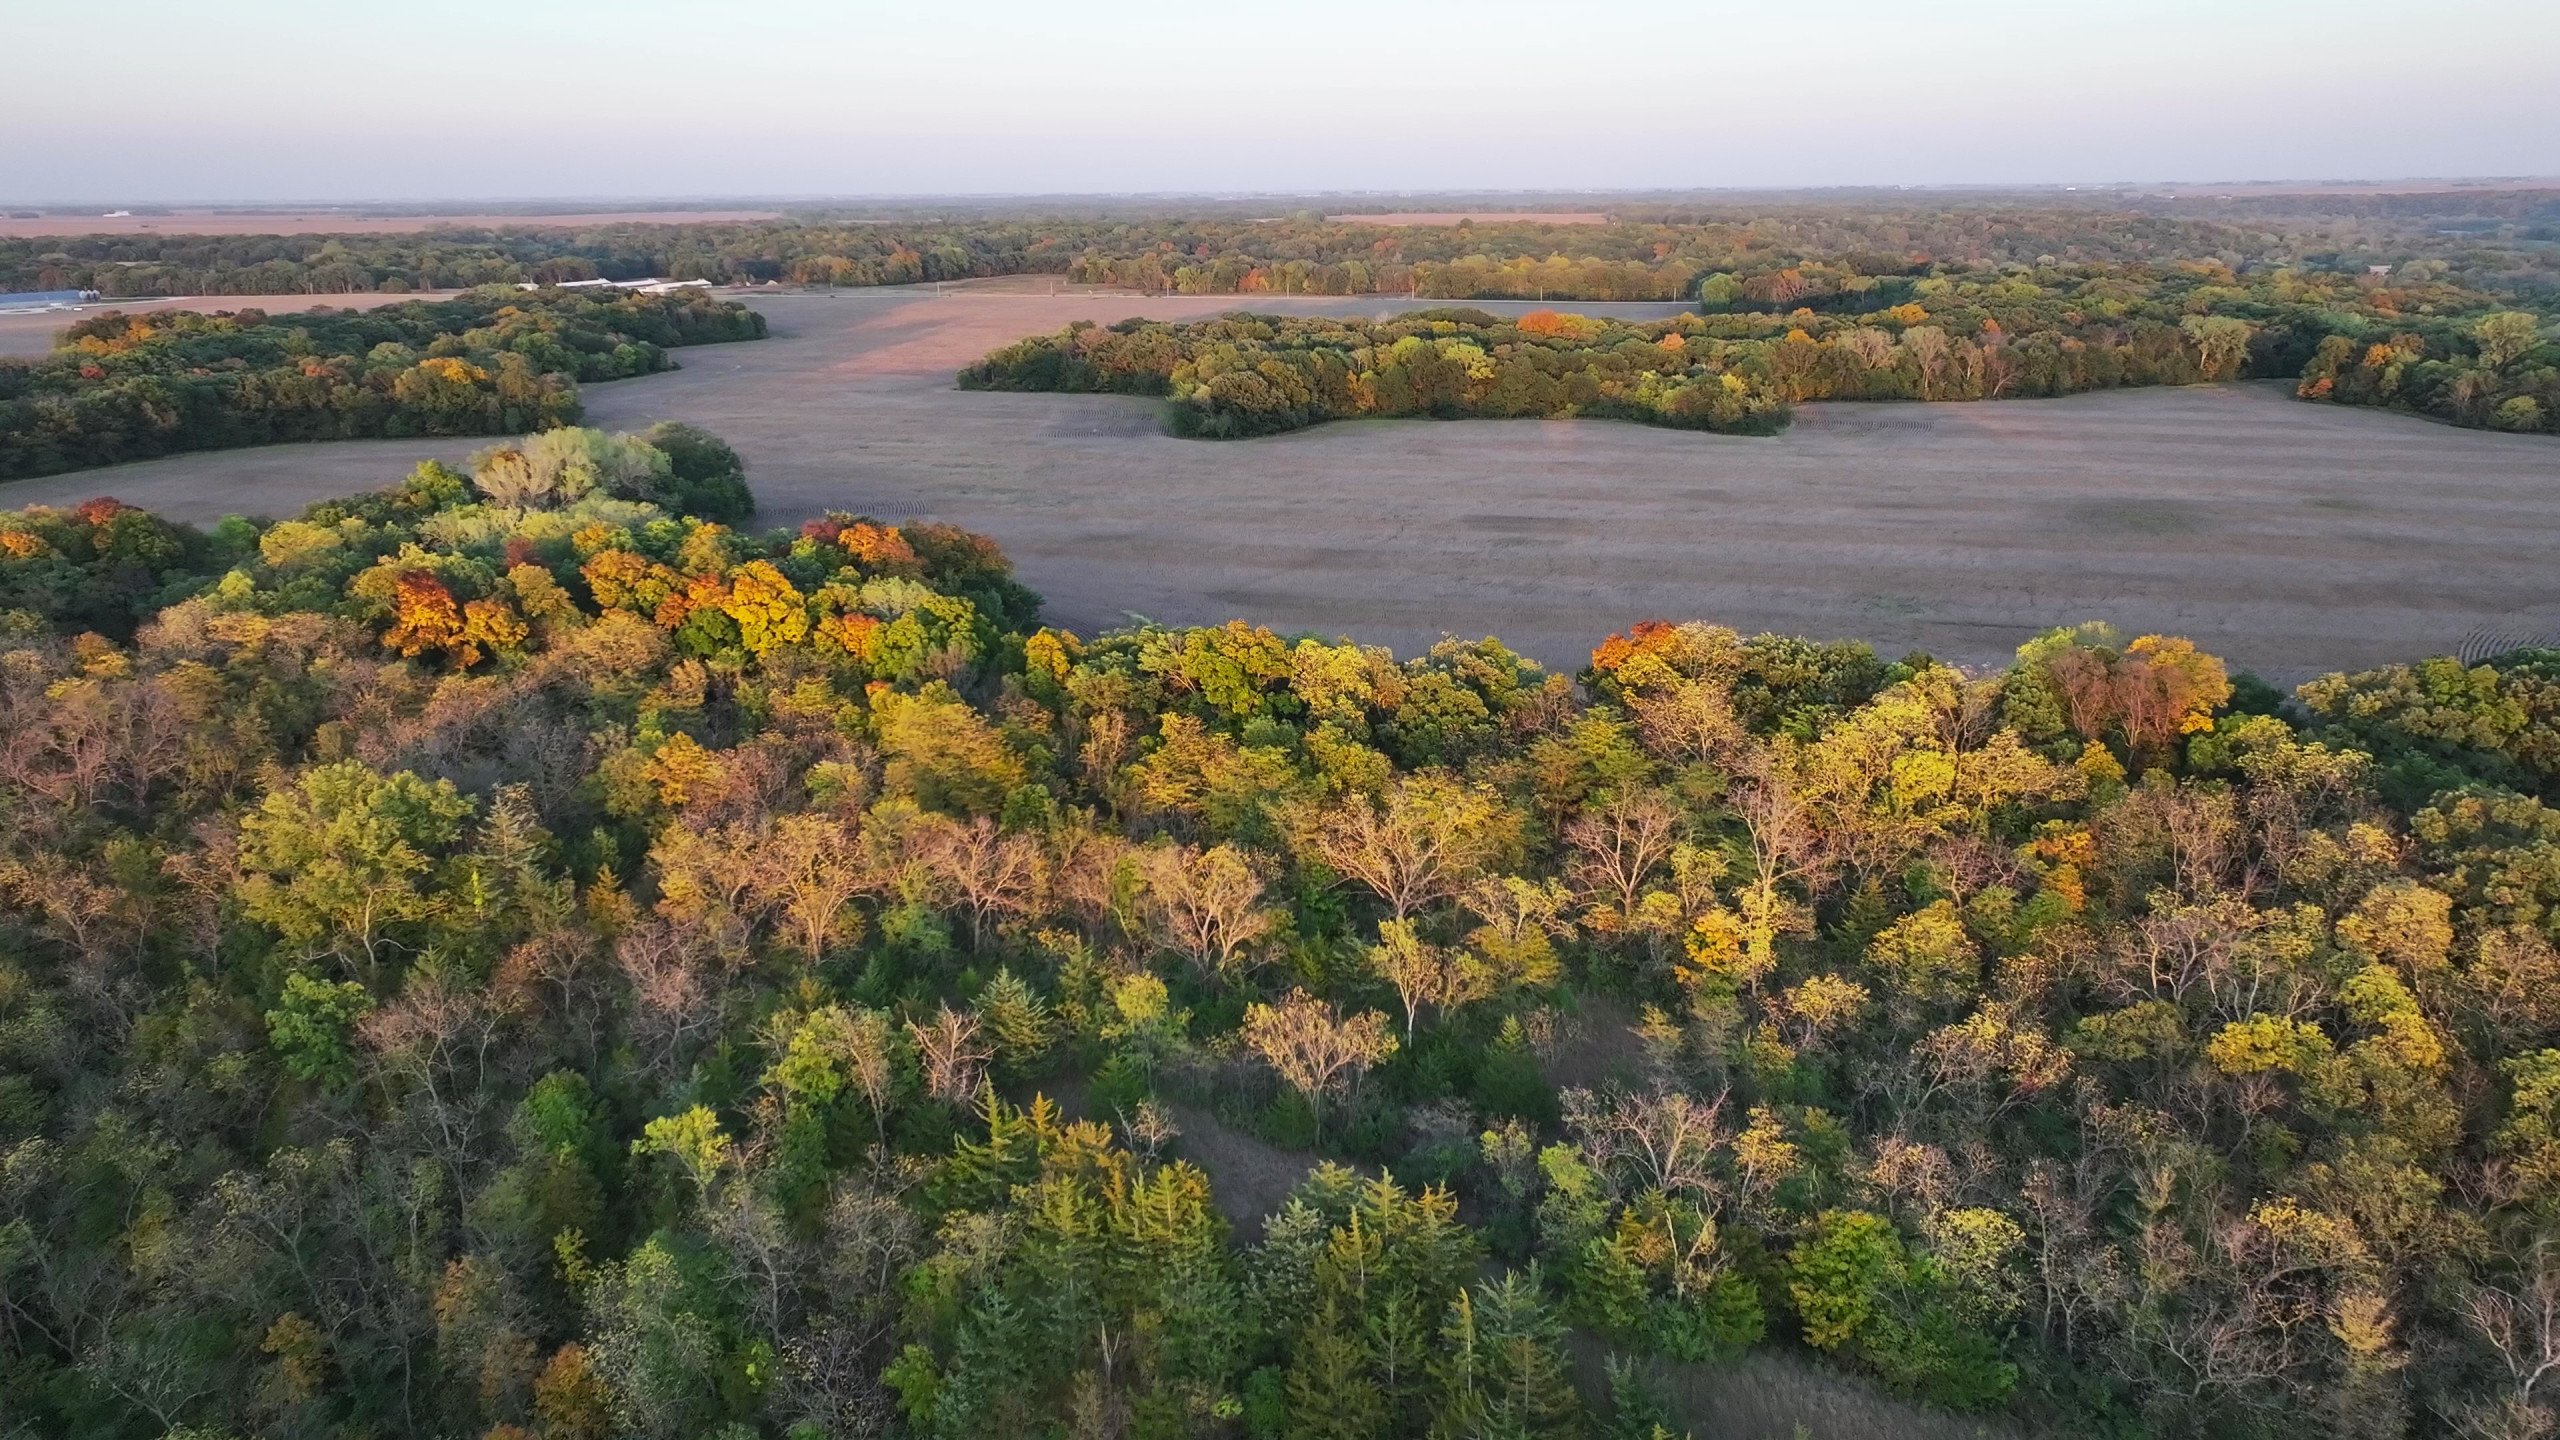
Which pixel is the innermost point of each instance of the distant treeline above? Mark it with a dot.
(1984, 336)
(123, 387)
(1294, 255)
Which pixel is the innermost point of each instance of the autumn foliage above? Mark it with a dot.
(120, 387)
(502, 957)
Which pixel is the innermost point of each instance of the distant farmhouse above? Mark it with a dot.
(652, 286)
(46, 300)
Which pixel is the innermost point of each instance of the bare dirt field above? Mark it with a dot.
(31, 332)
(339, 222)
(1481, 217)
(2291, 538)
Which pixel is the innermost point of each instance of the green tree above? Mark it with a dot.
(342, 860)
(1501, 1370)
(313, 1026)
(2504, 337)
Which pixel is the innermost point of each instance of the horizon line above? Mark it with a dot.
(823, 198)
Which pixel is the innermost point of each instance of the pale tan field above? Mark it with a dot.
(339, 222)
(2292, 538)
(1481, 217)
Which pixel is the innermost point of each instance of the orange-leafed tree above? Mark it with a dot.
(1553, 325)
(572, 1399)
(879, 548)
(424, 615)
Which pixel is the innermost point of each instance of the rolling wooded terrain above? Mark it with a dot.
(512, 956)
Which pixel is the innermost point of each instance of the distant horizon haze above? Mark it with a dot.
(447, 207)
(285, 102)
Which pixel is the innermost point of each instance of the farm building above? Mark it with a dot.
(46, 300)
(651, 286)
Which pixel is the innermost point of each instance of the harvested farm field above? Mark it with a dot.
(2291, 538)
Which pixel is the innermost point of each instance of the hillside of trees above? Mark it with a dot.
(1829, 332)
(500, 361)
(508, 957)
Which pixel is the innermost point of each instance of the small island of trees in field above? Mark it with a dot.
(515, 957)
(121, 387)
(1821, 333)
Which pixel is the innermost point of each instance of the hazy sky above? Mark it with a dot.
(211, 100)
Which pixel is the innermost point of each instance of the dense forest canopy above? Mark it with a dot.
(1829, 332)
(2510, 244)
(497, 361)
(509, 957)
